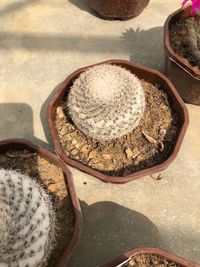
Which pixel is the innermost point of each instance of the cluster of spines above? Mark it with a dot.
(106, 102)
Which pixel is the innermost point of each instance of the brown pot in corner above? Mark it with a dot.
(21, 145)
(142, 73)
(181, 73)
(118, 9)
(124, 258)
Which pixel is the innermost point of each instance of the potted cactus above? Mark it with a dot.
(27, 221)
(118, 9)
(117, 121)
(40, 217)
(181, 42)
(149, 256)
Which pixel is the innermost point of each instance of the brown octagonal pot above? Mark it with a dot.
(123, 259)
(143, 73)
(18, 144)
(118, 9)
(181, 73)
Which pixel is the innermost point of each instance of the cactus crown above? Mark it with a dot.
(106, 102)
(27, 221)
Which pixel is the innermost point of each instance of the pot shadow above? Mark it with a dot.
(83, 5)
(145, 46)
(43, 117)
(17, 122)
(109, 230)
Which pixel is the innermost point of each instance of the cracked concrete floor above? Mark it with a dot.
(41, 42)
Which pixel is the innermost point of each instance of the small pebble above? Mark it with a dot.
(84, 148)
(64, 130)
(110, 167)
(74, 142)
(129, 153)
(98, 166)
(92, 154)
(107, 156)
(68, 137)
(74, 152)
(52, 188)
(82, 156)
(60, 113)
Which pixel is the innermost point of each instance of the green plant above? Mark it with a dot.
(106, 102)
(27, 221)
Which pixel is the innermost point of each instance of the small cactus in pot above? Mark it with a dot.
(106, 102)
(27, 221)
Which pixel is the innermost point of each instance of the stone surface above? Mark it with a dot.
(41, 42)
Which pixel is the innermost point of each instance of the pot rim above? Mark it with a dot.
(69, 185)
(102, 9)
(174, 56)
(150, 250)
(98, 174)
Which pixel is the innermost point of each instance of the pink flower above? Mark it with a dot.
(195, 5)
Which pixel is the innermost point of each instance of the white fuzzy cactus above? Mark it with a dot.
(106, 102)
(27, 221)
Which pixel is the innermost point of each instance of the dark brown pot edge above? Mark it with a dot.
(178, 59)
(150, 250)
(98, 174)
(71, 189)
(100, 13)
(104, 17)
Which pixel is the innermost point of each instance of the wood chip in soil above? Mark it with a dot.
(150, 260)
(52, 179)
(149, 144)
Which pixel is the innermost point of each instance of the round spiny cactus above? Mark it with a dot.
(27, 222)
(106, 102)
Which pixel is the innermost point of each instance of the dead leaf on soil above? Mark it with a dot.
(149, 138)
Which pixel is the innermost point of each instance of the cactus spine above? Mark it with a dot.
(106, 102)
(27, 221)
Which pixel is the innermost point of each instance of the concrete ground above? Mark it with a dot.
(41, 42)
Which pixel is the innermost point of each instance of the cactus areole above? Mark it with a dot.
(27, 221)
(106, 102)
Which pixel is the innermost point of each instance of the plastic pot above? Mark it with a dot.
(142, 73)
(181, 73)
(18, 144)
(118, 9)
(149, 250)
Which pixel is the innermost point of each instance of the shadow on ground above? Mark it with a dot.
(59, 42)
(43, 117)
(142, 46)
(16, 6)
(145, 46)
(109, 230)
(82, 4)
(17, 122)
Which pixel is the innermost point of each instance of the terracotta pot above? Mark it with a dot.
(143, 73)
(18, 144)
(118, 9)
(181, 73)
(149, 250)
